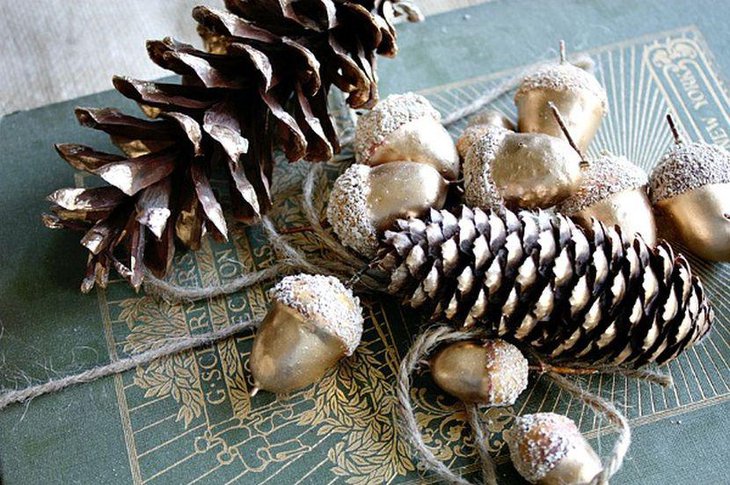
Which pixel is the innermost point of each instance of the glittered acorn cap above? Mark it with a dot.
(687, 167)
(605, 176)
(539, 442)
(479, 124)
(479, 188)
(325, 302)
(396, 110)
(348, 213)
(563, 76)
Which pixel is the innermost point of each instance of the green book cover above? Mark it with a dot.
(190, 418)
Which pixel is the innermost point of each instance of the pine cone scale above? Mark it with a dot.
(546, 284)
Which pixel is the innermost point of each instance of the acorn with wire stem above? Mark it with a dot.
(314, 321)
(576, 93)
(519, 170)
(690, 190)
(613, 191)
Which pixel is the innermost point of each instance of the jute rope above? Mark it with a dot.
(424, 345)
(604, 407)
(167, 348)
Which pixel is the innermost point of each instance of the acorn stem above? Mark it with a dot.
(562, 52)
(564, 129)
(544, 368)
(675, 131)
(296, 230)
(357, 276)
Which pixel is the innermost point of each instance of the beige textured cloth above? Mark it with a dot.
(54, 50)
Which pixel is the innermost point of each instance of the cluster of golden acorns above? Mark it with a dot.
(406, 164)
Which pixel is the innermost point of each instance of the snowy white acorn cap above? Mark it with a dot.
(348, 212)
(396, 110)
(479, 188)
(605, 176)
(511, 364)
(563, 76)
(537, 443)
(687, 167)
(325, 302)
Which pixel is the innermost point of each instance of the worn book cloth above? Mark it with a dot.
(190, 418)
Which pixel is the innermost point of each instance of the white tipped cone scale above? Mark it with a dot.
(314, 321)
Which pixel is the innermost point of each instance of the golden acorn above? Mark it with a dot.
(314, 321)
(690, 189)
(548, 449)
(577, 94)
(365, 201)
(520, 170)
(406, 127)
(478, 125)
(493, 373)
(613, 191)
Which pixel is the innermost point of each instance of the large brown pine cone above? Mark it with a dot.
(263, 83)
(540, 280)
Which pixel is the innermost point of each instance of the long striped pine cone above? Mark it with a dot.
(539, 280)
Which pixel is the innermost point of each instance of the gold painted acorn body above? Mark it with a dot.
(690, 188)
(548, 449)
(365, 201)
(313, 322)
(613, 191)
(493, 373)
(520, 170)
(479, 124)
(576, 93)
(405, 127)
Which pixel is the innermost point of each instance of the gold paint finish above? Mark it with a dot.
(630, 210)
(403, 189)
(493, 373)
(492, 117)
(290, 353)
(700, 218)
(534, 170)
(579, 466)
(582, 112)
(460, 370)
(424, 140)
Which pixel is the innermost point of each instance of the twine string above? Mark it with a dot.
(167, 347)
(606, 408)
(489, 470)
(424, 344)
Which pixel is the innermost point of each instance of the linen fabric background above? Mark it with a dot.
(55, 50)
